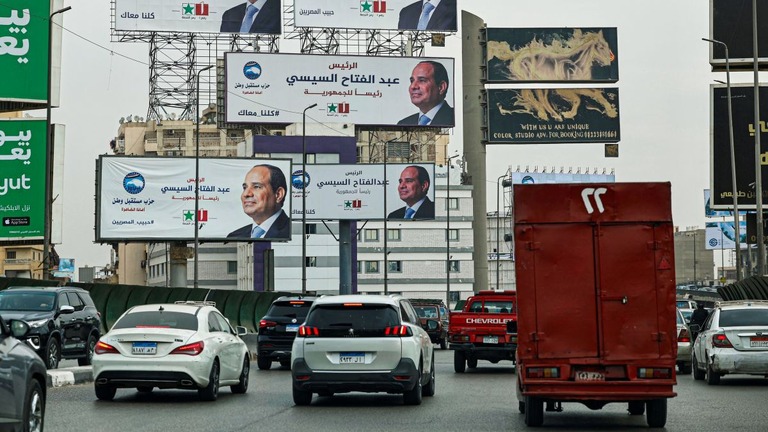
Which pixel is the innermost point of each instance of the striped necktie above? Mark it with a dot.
(424, 19)
(409, 213)
(245, 27)
(257, 232)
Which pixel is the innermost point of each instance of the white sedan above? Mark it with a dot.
(183, 345)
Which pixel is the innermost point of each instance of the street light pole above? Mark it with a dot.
(735, 188)
(758, 165)
(498, 250)
(197, 170)
(448, 232)
(304, 198)
(50, 153)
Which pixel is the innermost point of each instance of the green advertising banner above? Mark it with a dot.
(23, 149)
(23, 53)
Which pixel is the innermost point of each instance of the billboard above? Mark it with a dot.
(23, 151)
(551, 55)
(277, 88)
(543, 178)
(375, 14)
(742, 101)
(220, 16)
(152, 199)
(730, 22)
(66, 268)
(365, 192)
(557, 115)
(722, 235)
(23, 54)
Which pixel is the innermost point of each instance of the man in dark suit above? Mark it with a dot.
(263, 197)
(441, 15)
(412, 188)
(429, 85)
(253, 16)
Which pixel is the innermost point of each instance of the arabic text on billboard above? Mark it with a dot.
(24, 52)
(376, 14)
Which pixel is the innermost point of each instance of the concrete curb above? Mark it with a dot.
(70, 376)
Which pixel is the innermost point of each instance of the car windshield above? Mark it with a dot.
(27, 301)
(157, 319)
(291, 309)
(337, 320)
(426, 311)
(744, 317)
(687, 314)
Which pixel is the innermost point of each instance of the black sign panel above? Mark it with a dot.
(731, 23)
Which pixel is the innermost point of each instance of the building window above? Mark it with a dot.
(371, 235)
(359, 266)
(453, 203)
(232, 267)
(453, 266)
(371, 266)
(311, 261)
(11, 254)
(452, 235)
(311, 229)
(395, 266)
(393, 234)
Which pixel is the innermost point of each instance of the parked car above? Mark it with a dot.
(683, 344)
(183, 345)
(22, 380)
(278, 328)
(437, 310)
(686, 304)
(733, 340)
(63, 321)
(367, 343)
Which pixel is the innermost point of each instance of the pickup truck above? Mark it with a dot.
(485, 329)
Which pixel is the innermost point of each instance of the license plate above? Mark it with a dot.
(292, 328)
(351, 358)
(758, 342)
(491, 339)
(144, 348)
(589, 376)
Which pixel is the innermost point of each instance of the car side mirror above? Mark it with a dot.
(66, 309)
(241, 331)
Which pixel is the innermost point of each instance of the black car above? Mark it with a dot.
(22, 381)
(278, 328)
(63, 321)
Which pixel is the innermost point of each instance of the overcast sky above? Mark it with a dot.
(664, 100)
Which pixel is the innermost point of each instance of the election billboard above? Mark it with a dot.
(548, 178)
(376, 14)
(23, 151)
(552, 55)
(153, 199)
(365, 192)
(278, 88)
(556, 115)
(220, 16)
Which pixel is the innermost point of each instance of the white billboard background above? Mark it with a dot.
(373, 14)
(722, 235)
(546, 178)
(160, 210)
(276, 88)
(353, 192)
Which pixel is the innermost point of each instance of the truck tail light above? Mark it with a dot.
(513, 339)
(662, 373)
(459, 338)
(102, 348)
(400, 331)
(192, 349)
(308, 331)
(541, 372)
(266, 324)
(720, 340)
(684, 336)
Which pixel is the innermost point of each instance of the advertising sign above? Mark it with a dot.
(730, 22)
(66, 268)
(539, 178)
(552, 55)
(277, 88)
(722, 235)
(146, 199)
(357, 192)
(557, 115)
(23, 150)
(220, 16)
(23, 54)
(376, 14)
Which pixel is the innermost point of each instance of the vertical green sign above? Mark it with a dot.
(24, 50)
(23, 149)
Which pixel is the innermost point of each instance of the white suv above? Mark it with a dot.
(368, 343)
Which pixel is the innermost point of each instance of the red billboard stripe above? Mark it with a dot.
(380, 6)
(201, 9)
(202, 215)
(344, 108)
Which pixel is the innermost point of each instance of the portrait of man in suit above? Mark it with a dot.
(263, 196)
(428, 15)
(253, 16)
(429, 85)
(412, 187)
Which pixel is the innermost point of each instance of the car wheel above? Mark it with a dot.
(242, 385)
(34, 408)
(656, 414)
(52, 353)
(521, 407)
(264, 363)
(685, 368)
(211, 391)
(534, 411)
(413, 396)
(429, 389)
(301, 397)
(713, 378)
(104, 392)
(471, 363)
(636, 408)
(698, 374)
(144, 389)
(459, 362)
(90, 347)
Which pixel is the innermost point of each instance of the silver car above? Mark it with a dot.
(22, 381)
(683, 345)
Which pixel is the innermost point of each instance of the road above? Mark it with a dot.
(479, 400)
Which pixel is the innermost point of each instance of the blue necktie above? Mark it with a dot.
(257, 232)
(409, 213)
(424, 19)
(245, 27)
(424, 120)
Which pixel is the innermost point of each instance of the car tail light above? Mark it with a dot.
(103, 348)
(541, 372)
(400, 331)
(654, 373)
(265, 324)
(720, 340)
(684, 336)
(296, 302)
(459, 338)
(192, 349)
(308, 331)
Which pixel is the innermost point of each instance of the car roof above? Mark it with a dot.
(309, 298)
(45, 288)
(391, 299)
(740, 304)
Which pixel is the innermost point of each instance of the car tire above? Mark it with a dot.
(471, 363)
(90, 347)
(459, 362)
(521, 407)
(144, 389)
(698, 374)
(52, 353)
(264, 363)
(105, 392)
(685, 368)
(429, 389)
(534, 411)
(713, 378)
(413, 396)
(34, 408)
(636, 408)
(210, 392)
(656, 413)
(242, 384)
(301, 397)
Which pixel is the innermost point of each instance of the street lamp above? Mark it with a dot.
(735, 188)
(448, 232)
(498, 250)
(49, 158)
(197, 170)
(758, 153)
(304, 198)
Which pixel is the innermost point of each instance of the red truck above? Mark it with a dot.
(596, 292)
(485, 329)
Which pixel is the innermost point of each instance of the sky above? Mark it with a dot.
(664, 79)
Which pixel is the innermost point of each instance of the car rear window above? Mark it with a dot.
(27, 301)
(426, 311)
(291, 309)
(157, 319)
(493, 307)
(744, 317)
(365, 320)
